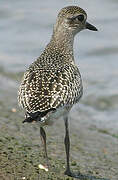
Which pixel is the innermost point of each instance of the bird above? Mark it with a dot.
(52, 84)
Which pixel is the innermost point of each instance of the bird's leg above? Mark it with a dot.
(43, 139)
(67, 147)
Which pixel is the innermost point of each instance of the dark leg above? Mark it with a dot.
(43, 139)
(67, 147)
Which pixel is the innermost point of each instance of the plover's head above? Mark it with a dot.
(72, 19)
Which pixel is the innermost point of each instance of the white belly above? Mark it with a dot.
(52, 117)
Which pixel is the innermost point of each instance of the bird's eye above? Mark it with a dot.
(80, 17)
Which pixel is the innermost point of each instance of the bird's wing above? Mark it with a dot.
(44, 89)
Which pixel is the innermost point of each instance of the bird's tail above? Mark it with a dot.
(28, 120)
(33, 117)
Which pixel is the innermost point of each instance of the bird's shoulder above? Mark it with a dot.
(56, 72)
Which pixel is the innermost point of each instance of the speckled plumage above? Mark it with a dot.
(49, 87)
(52, 84)
(53, 81)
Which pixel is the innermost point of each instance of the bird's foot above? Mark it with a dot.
(69, 173)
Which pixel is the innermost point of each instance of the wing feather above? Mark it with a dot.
(43, 89)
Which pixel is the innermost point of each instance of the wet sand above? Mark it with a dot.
(93, 150)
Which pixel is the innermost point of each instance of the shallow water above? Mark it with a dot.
(25, 29)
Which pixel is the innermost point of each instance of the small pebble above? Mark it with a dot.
(40, 166)
(74, 163)
(23, 178)
(13, 110)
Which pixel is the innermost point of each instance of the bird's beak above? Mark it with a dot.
(90, 27)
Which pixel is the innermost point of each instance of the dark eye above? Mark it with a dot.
(80, 17)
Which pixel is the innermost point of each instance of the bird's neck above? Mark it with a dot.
(63, 41)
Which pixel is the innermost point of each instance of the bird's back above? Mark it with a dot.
(52, 81)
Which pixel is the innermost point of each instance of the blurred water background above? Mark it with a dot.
(26, 28)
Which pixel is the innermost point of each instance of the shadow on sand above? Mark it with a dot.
(86, 177)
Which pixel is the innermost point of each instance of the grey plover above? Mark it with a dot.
(52, 84)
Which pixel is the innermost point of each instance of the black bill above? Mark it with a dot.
(91, 27)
